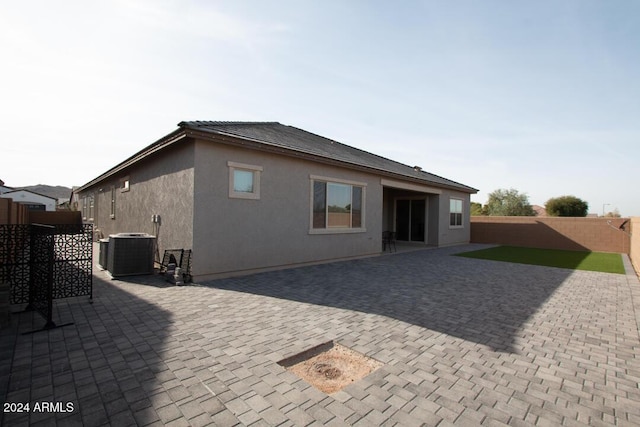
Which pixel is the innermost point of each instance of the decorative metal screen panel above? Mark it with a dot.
(41, 275)
(14, 260)
(72, 260)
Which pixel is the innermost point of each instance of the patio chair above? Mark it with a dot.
(388, 240)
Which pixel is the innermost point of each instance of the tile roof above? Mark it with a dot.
(291, 138)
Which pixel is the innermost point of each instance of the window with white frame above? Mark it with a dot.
(337, 205)
(87, 208)
(455, 212)
(244, 181)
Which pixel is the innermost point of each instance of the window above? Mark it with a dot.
(455, 213)
(91, 200)
(87, 208)
(84, 207)
(124, 184)
(244, 181)
(336, 205)
(113, 202)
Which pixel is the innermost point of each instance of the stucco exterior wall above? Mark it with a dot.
(161, 185)
(433, 226)
(188, 186)
(234, 235)
(448, 235)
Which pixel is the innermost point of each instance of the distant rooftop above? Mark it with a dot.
(539, 210)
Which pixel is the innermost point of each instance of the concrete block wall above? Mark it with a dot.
(634, 252)
(578, 234)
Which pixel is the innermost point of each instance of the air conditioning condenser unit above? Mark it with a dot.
(130, 254)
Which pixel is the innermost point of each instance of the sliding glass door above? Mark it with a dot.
(410, 220)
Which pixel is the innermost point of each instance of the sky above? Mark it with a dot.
(542, 97)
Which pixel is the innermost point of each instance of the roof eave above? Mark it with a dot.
(160, 144)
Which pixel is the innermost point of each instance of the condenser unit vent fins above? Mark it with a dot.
(130, 254)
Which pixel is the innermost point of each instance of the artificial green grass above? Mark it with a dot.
(576, 260)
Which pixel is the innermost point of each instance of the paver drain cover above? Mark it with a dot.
(330, 366)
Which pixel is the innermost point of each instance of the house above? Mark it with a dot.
(4, 188)
(32, 200)
(256, 196)
(539, 210)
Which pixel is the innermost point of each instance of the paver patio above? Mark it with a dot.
(463, 342)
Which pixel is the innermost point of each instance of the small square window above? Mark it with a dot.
(244, 181)
(124, 184)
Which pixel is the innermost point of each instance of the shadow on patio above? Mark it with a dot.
(481, 301)
(109, 364)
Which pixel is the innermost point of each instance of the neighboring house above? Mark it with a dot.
(539, 210)
(73, 203)
(4, 188)
(250, 197)
(33, 201)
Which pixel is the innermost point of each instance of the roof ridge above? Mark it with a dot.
(15, 190)
(199, 123)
